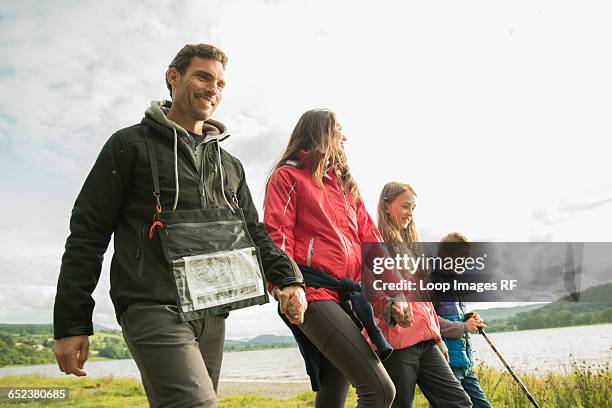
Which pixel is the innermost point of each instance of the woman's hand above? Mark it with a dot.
(442, 347)
(293, 302)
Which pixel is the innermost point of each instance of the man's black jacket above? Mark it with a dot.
(117, 198)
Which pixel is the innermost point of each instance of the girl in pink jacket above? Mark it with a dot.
(417, 356)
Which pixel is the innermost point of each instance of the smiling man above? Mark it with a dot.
(188, 242)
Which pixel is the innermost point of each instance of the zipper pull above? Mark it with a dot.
(156, 223)
(234, 199)
(343, 195)
(193, 146)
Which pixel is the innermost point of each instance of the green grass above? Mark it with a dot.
(83, 392)
(583, 387)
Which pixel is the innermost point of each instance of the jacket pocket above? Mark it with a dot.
(310, 252)
(141, 233)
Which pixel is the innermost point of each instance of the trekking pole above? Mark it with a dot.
(520, 383)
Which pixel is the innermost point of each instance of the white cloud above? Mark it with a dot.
(26, 299)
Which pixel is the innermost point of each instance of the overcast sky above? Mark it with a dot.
(497, 113)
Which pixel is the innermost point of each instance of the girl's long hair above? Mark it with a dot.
(399, 241)
(389, 231)
(314, 132)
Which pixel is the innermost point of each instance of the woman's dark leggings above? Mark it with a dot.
(350, 359)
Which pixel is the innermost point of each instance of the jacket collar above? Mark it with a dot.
(301, 157)
(156, 116)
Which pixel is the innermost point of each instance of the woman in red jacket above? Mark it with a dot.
(314, 213)
(417, 356)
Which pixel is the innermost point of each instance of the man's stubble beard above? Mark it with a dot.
(198, 114)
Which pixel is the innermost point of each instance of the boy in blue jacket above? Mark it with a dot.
(456, 325)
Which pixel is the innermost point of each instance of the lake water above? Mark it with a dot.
(541, 350)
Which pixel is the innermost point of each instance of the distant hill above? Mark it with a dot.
(272, 339)
(33, 329)
(594, 306)
(105, 329)
(497, 313)
(265, 341)
(593, 299)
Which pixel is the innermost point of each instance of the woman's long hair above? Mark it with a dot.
(314, 132)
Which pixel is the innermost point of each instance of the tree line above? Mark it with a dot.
(594, 306)
(33, 344)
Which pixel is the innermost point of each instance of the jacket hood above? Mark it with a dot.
(158, 111)
(302, 158)
(156, 116)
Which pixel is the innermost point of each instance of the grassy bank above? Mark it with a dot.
(583, 387)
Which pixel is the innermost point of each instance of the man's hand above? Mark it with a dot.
(71, 354)
(293, 303)
(402, 313)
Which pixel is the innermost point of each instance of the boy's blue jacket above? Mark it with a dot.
(450, 307)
